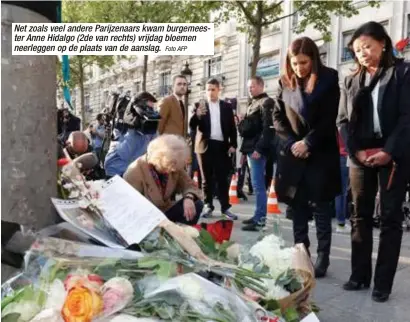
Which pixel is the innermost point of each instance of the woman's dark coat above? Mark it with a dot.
(394, 113)
(311, 118)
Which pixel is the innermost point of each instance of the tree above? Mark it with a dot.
(150, 12)
(74, 12)
(254, 16)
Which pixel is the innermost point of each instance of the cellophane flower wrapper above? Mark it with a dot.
(58, 275)
(189, 297)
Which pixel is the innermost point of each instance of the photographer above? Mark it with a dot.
(98, 135)
(66, 123)
(142, 122)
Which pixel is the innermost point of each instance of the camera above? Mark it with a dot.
(141, 117)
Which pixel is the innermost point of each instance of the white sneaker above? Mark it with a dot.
(343, 229)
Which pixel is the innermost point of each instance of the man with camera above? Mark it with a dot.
(98, 135)
(142, 121)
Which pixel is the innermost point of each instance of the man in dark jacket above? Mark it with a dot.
(256, 130)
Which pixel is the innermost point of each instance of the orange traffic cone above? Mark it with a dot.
(273, 206)
(196, 179)
(233, 194)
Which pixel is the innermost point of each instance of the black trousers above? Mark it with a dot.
(215, 166)
(269, 170)
(365, 182)
(176, 212)
(302, 210)
(242, 172)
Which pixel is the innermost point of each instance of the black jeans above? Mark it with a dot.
(242, 172)
(365, 182)
(322, 213)
(215, 166)
(176, 212)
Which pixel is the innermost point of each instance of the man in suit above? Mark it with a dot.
(172, 109)
(215, 141)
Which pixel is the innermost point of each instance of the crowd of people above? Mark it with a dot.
(322, 144)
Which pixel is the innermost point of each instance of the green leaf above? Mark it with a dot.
(291, 315)
(12, 317)
(15, 297)
(270, 305)
(207, 241)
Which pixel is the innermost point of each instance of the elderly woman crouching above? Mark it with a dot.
(159, 175)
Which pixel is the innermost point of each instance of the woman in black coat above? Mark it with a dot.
(374, 115)
(308, 173)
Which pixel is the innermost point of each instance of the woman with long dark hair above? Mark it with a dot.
(374, 114)
(308, 172)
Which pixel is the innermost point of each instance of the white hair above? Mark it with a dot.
(168, 153)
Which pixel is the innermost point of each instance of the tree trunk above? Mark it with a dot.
(28, 127)
(144, 73)
(256, 49)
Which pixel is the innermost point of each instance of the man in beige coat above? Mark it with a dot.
(172, 110)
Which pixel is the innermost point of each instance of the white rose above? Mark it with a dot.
(48, 315)
(56, 296)
(233, 251)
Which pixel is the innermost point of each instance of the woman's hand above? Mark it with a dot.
(361, 156)
(300, 149)
(379, 159)
(189, 209)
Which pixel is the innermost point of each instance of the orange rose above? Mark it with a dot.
(81, 305)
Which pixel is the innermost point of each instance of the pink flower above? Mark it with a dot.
(117, 293)
(111, 298)
(91, 281)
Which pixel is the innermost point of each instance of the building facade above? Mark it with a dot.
(231, 60)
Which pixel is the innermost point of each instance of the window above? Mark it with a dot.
(269, 65)
(323, 53)
(213, 67)
(295, 20)
(87, 102)
(346, 54)
(137, 87)
(408, 29)
(106, 97)
(165, 84)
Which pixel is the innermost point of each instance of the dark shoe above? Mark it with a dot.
(230, 215)
(253, 227)
(207, 212)
(380, 297)
(322, 263)
(248, 221)
(355, 286)
(242, 196)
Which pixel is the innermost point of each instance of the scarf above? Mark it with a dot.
(361, 118)
(161, 179)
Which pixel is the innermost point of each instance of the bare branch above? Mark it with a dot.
(248, 16)
(269, 22)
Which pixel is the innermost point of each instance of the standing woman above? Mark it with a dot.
(375, 116)
(308, 173)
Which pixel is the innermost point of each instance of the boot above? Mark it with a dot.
(322, 263)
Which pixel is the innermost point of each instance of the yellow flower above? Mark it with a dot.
(81, 305)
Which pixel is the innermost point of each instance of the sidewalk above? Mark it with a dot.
(336, 304)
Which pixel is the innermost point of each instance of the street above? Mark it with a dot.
(336, 304)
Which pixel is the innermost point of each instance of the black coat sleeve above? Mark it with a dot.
(326, 125)
(265, 141)
(399, 140)
(233, 133)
